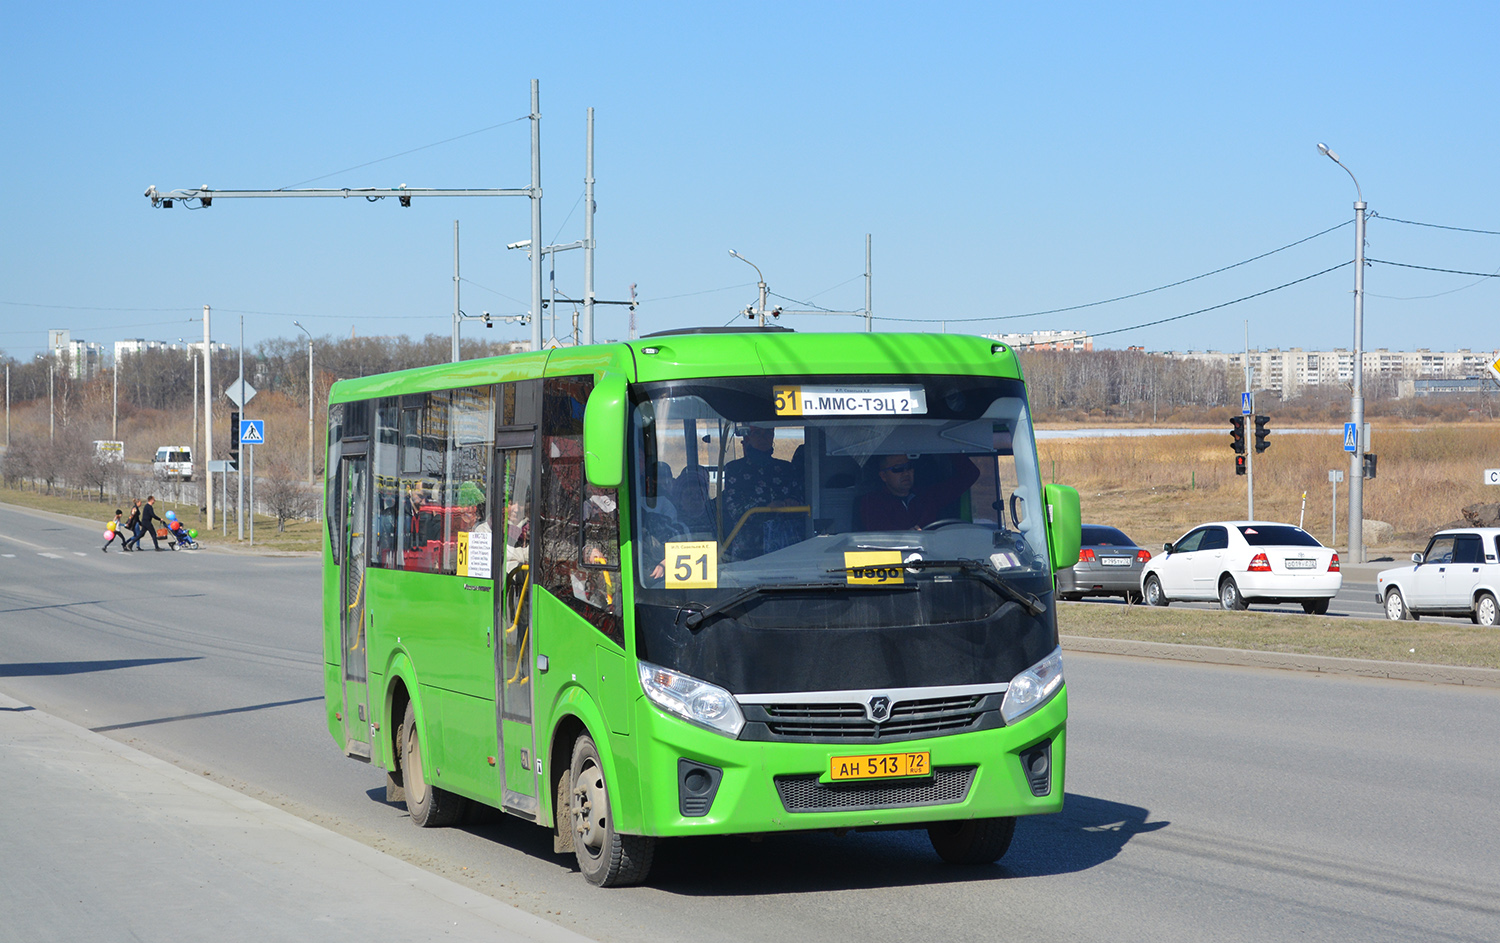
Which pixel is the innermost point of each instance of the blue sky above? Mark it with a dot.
(1006, 159)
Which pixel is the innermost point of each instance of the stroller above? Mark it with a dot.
(182, 538)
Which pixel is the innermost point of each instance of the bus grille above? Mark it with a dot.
(947, 785)
(909, 719)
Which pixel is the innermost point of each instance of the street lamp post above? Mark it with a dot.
(310, 392)
(1357, 406)
(761, 284)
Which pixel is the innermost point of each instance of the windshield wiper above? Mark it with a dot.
(985, 575)
(696, 618)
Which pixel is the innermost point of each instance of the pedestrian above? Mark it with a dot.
(148, 522)
(133, 524)
(111, 530)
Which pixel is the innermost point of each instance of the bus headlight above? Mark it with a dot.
(1033, 687)
(707, 705)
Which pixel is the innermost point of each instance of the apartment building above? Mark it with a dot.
(1292, 370)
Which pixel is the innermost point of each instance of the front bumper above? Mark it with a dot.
(747, 799)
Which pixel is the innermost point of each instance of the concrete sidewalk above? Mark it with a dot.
(101, 842)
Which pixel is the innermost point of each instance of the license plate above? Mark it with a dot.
(879, 766)
(1301, 564)
(1115, 561)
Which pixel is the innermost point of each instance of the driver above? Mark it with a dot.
(900, 505)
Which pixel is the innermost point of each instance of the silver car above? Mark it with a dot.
(1109, 564)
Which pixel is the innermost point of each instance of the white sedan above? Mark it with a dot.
(1241, 562)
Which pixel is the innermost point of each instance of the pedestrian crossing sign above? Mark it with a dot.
(252, 431)
(1351, 437)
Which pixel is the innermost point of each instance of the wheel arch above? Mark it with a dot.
(575, 713)
(400, 690)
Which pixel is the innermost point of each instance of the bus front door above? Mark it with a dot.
(356, 490)
(515, 655)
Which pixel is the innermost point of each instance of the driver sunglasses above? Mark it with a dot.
(901, 469)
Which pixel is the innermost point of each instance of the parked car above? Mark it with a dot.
(1457, 575)
(1109, 564)
(1244, 562)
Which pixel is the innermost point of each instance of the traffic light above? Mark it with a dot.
(1262, 433)
(1237, 437)
(1239, 464)
(1369, 464)
(234, 438)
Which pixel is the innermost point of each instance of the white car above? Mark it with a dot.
(1244, 562)
(1457, 575)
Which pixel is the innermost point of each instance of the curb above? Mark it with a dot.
(1322, 664)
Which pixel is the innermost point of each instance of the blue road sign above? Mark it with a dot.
(1351, 437)
(1246, 406)
(252, 431)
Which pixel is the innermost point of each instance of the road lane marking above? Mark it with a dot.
(50, 556)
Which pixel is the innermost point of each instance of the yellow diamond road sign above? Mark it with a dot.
(1495, 369)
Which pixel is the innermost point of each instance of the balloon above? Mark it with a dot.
(193, 534)
(110, 526)
(171, 515)
(109, 535)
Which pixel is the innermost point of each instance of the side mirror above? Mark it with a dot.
(1416, 558)
(1064, 525)
(604, 432)
(1166, 547)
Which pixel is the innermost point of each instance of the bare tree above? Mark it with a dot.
(283, 491)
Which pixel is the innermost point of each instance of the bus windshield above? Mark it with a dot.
(837, 486)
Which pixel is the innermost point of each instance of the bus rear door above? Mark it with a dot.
(356, 481)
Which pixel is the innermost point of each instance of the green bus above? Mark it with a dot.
(711, 581)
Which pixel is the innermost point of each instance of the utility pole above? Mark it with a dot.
(588, 238)
(51, 404)
(1357, 403)
(239, 513)
(869, 318)
(310, 388)
(208, 420)
(114, 423)
(1249, 452)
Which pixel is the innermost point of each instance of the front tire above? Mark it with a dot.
(1486, 612)
(1315, 607)
(1229, 596)
(430, 806)
(1153, 591)
(606, 858)
(1395, 607)
(972, 841)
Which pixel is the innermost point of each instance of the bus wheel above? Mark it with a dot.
(430, 806)
(606, 858)
(973, 841)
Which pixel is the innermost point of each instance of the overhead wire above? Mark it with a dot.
(404, 153)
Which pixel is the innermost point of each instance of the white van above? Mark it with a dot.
(174, 462)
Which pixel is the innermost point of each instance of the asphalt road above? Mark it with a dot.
(1204, 803)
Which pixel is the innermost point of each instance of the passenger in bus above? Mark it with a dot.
(760, 480)
(901, 503)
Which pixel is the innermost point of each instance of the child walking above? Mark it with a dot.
(111, 530)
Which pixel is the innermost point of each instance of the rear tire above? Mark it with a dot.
(606, 858)
(1486, 612)
(1229, 596)
(972, 841)
(1154, 594)
(430, 806)
(1315, 607)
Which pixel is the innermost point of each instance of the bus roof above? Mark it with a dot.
(682, 355)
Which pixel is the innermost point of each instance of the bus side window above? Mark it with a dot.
(579, 549)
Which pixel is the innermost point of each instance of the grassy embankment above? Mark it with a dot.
(1156, 487)
(1424, 643)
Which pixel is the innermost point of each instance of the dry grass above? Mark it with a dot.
(1156, 487)
(1411, 642)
